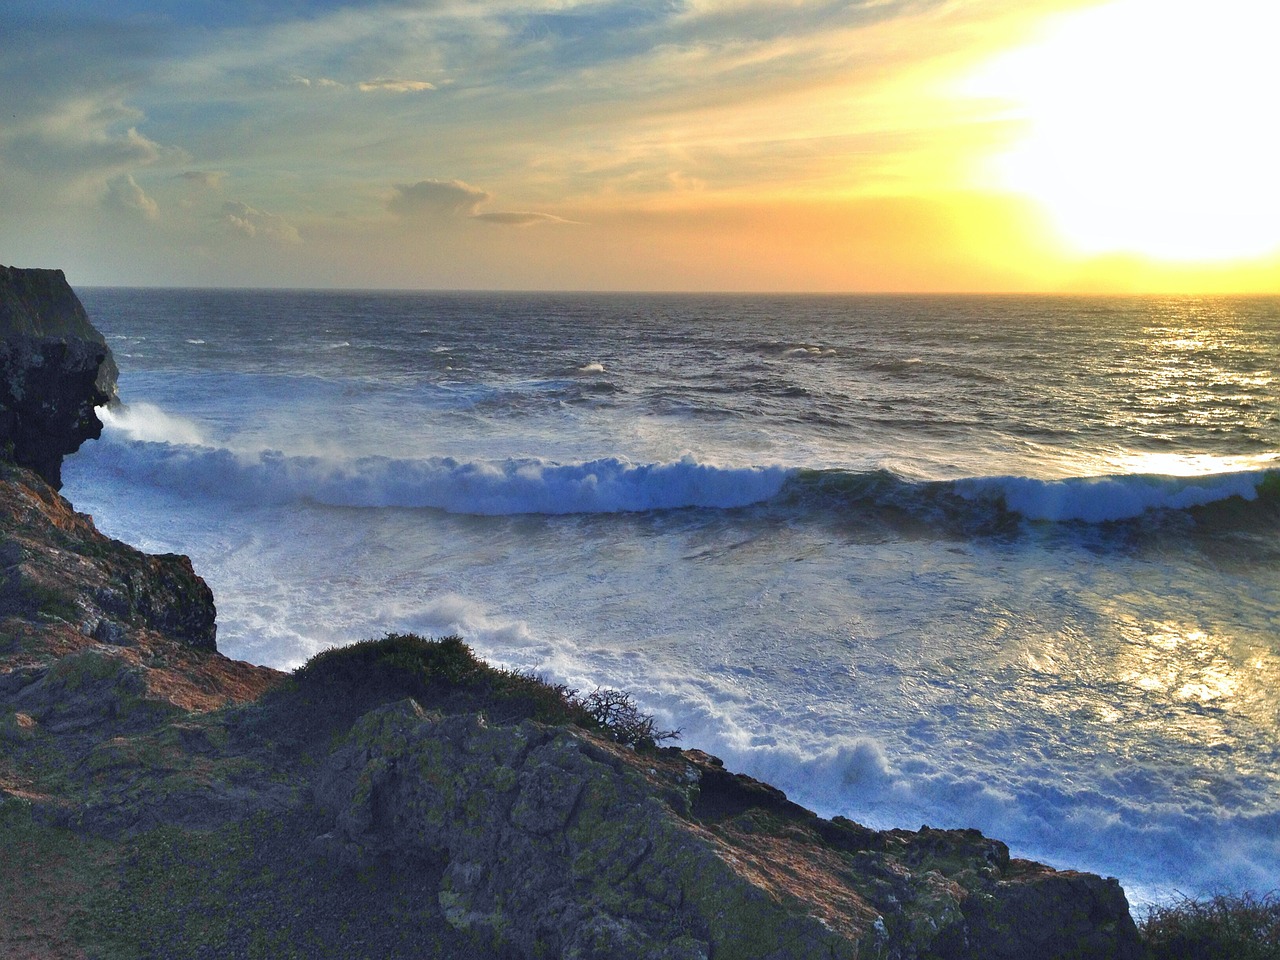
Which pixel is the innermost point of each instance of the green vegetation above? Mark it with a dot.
(248, 891)
(1269, 487)
(446, 675)
(51, 602)
(1244, 927)
(45, 874)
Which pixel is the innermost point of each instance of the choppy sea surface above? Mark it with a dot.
(1004, 562)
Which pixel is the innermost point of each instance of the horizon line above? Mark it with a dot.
(548, 291)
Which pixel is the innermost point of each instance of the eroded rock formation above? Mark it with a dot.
(54, 369)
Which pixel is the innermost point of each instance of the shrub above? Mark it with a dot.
(1269, 486)
(1244, 927)
(616, 714)
(398, 665)
(446, 675)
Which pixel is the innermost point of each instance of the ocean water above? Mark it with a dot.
(1004, 562)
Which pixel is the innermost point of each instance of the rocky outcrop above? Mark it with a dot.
(54, 369)
(57, 571)
(556, 843)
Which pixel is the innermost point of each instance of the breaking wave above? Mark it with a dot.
(149, 446)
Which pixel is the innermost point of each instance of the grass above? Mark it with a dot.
(251, 891)
(46, 874)
(1224, 927)
(446, 675)
(51, 602)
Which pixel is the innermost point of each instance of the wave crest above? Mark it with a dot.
(1108, 499)
(992, 502)
(147, 445)
(487, 488)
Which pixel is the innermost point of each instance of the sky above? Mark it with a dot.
(790, 145)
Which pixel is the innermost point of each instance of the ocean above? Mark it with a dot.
(1010, 563)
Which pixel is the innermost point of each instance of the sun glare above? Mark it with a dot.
(1147, 127)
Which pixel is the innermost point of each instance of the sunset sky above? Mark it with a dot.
(864, 145)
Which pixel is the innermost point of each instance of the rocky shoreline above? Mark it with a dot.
(401, 799)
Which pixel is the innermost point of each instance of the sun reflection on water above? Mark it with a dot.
(1188, 665)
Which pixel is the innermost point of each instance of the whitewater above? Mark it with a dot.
(1002, 562)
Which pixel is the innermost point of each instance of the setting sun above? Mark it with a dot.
(1146, 127)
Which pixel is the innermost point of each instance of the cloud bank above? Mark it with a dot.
(696, 144)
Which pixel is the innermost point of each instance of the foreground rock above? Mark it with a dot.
(54, 369)
(555, 843)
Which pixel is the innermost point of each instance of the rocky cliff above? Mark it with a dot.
(401, 799)
(54, 369)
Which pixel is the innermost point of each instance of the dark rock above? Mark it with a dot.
(86, 689)
(1051, 914)
(559, 844)
(54, 369)
(110, 632)
(54, 564)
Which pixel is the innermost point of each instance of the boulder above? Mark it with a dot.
(55, 368)
(555, 842)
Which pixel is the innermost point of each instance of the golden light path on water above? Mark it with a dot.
(1188, 368)
(1203, 682)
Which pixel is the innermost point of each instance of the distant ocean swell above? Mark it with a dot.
(166, 455)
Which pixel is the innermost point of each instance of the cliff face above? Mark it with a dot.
(54, 369)
(406, 801)
(55, 565)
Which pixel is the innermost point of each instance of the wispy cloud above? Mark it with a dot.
(395, 86)
(319, 83)
(249, 222)
(208, 179)
(519, 218)
(125, 196)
